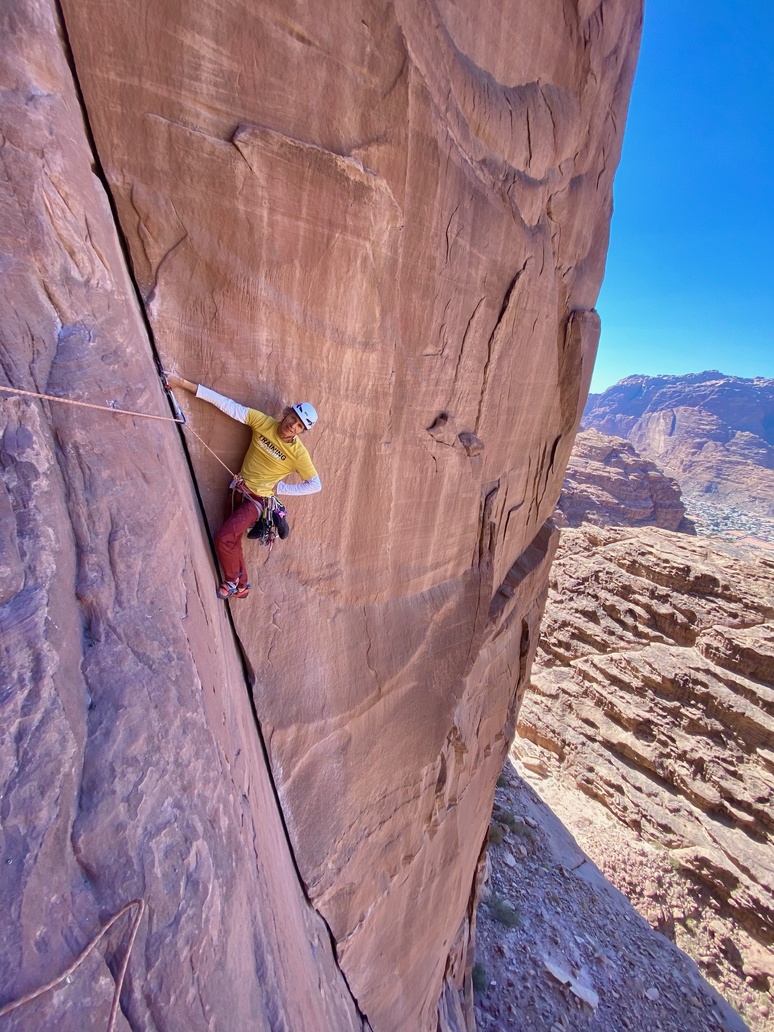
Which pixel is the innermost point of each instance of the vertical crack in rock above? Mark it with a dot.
(248, 674)
(450, 243)
(462, 348)
(492, 335)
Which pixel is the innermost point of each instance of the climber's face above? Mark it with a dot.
(290, 426)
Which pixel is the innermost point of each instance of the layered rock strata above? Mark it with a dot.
(654, 694)
(397, 211)
(713, 433)
(609, 484)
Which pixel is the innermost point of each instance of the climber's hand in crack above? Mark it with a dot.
(174, 380)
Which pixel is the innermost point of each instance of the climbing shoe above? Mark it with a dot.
(283, 527)
(227, 590)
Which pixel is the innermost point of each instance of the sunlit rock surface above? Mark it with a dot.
(399, 212)
(609, 484)
(129, 761)
(654, 694)
(713, 433)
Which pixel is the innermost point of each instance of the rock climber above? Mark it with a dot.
(274, 452)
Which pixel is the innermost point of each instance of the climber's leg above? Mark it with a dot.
(228, 543)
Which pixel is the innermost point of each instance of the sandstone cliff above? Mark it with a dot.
(713, 433)
(400, 212)
(609, 484)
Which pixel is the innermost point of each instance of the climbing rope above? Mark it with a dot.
(86, 404)
(204, 444)
(140, 904)
(181, 421)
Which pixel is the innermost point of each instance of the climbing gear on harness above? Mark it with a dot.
(271, 524)
(306, 413)
(271, 520)
(227, 589)
(283, 527)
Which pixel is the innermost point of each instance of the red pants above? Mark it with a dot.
(228, 542)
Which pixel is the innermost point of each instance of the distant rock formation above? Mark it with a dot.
(653, 692)
(399, 211)
(607, 483)
(713, 433)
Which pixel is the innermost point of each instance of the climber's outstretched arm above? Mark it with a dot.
(231, 408)
(173, 380)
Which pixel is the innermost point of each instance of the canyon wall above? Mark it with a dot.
(713, 433)
(607, 483)
(400, 213)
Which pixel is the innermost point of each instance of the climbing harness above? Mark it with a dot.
(141, 905)
(272, 514)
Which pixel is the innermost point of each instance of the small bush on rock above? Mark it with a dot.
(480, 978)
(496, 834)
(504, 913)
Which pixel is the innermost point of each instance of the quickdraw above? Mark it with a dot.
(270, 524)
(179, 414)
(272, 514)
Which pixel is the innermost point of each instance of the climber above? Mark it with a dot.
(274, 452)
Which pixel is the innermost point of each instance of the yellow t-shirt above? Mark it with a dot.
(269, 459)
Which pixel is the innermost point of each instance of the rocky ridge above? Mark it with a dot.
(653, 695)
(713, 433)
(607, 483)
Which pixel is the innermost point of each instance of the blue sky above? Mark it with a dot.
(689, 283)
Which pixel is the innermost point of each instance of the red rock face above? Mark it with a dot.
(129, 761)
(399, 212)
(607, 483)
(713, 433)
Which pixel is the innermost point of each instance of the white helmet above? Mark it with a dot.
(306, 413)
